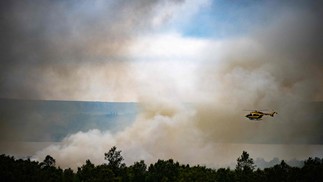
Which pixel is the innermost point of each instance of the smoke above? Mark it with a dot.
(192, 91)
(53, 49)
(274, 68)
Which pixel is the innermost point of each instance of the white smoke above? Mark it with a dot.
(198, 121)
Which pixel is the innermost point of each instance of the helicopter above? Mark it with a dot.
(257, 115)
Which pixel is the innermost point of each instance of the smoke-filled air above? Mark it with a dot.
(194, 68)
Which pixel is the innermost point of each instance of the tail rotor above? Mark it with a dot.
(272, 114)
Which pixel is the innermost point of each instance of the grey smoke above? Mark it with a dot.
(51, 49)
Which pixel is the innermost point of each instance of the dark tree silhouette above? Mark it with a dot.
(12, 169)
(49, 161)
(225, 175)
(68, 175)
(114, 158)
(313, 169)
(244, 163)
(138, 171)
(244, 168)
(278, 172)
(163, 171)
(115, 162)
(103, 173)
(85, 172)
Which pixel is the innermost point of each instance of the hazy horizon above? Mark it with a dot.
(108, 120)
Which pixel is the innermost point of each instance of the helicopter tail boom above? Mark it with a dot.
(272, 114)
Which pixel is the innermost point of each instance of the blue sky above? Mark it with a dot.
(221, 19)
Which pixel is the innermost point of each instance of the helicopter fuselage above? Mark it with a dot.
(257, 115)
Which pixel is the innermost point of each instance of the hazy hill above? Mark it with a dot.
(39, 120)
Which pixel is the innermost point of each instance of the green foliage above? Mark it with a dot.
(196, 173)
(115, 159)
(12, 169)
(49, 161)
(85, 172)
(225, 175)
(163, 171)
(27, 170)
(278, 173)
(68, 175)
(313, 169)
(244, 168)
(90, 172)
(138, 171)
(244, 163)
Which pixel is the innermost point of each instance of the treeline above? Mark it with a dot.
(12, 169)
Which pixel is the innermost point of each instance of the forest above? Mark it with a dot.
(114, 169)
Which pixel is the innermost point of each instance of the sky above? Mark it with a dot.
(193, 67)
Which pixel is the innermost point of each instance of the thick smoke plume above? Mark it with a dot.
(66, 50)
(192, 100)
